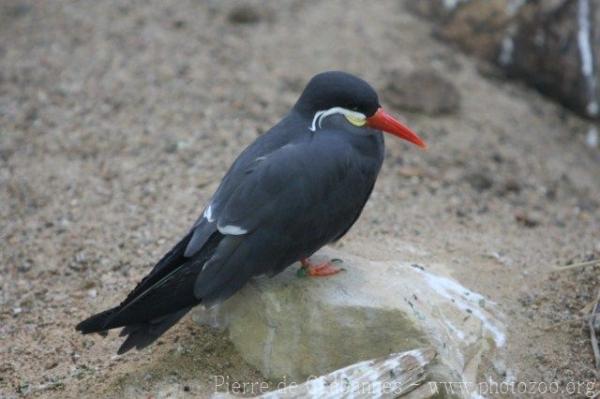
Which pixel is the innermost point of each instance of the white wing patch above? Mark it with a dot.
(320, 115)
(231, 230)
(208, 214)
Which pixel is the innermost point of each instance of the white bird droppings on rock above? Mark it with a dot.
(506, 50)
(591, 139)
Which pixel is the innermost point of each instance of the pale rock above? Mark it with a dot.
(301, 327)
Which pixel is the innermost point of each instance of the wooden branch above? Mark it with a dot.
(595, 262)
(386, 377)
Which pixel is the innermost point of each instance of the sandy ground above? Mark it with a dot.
(117, 122)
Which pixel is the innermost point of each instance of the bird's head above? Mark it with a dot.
(337, 92)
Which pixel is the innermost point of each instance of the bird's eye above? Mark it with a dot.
(356, 119)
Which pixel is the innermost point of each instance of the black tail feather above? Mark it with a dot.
(96, 323)
(141, 335)
(159, 301)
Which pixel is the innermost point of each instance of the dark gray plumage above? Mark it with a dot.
(298, 187)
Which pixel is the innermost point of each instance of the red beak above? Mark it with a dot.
(385, 122)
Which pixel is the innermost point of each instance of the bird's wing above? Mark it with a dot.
(282, 191)
(206, 225)
(271, 141)
(282, 184)
(169, 262)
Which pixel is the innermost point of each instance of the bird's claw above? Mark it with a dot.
(319, 270)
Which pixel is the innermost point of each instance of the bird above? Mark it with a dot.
(296, 188)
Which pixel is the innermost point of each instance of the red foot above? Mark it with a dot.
(320, 270)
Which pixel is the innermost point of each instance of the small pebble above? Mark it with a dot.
(480, 181)
(527, 220)
(51, 364)
(244, 14)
